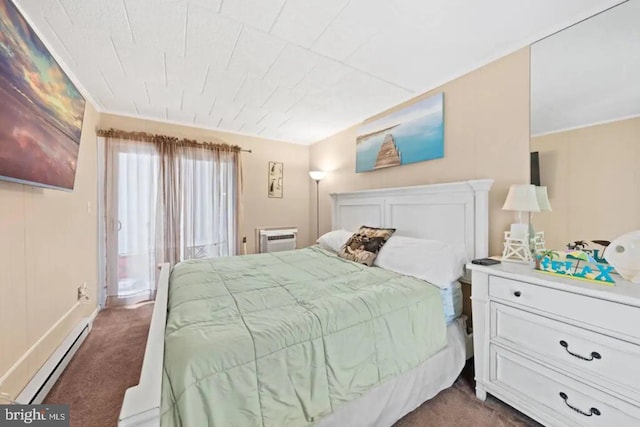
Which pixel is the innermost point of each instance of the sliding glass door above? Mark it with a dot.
(132, 223)
(164, 204)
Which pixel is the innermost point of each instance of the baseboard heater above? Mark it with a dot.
(42, 382)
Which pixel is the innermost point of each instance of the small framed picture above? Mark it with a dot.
(275, 178)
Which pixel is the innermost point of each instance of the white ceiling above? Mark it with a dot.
(295, 70)
(589, 73)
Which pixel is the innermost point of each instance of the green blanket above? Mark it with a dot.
(284, 339)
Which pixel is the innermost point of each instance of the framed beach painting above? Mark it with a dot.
(41, 110)
(413, 134)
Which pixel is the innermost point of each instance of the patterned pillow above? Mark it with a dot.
(363, 246)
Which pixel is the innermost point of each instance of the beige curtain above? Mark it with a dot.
(166, 200)
(170, 200)
(200, 207)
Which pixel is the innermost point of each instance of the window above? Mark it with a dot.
(165, 205)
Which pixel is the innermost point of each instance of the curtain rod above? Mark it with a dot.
(150, 137)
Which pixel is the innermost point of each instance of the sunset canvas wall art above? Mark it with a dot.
(41, 111)
(412, 134)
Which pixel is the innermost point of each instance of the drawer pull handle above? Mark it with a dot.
(594, 354)
(517, 294)
(592, 411)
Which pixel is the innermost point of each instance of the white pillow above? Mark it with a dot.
(436, 262)
(334, 240)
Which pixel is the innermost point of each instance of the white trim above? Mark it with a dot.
(588, 125)
(42, 382)
(197, 126)
(141, 405)
(93, 316)
(35, 345)
(448, 187)
(102, 243)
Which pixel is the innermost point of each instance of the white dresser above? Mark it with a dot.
(562, 351)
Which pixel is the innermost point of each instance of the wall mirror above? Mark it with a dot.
(585, 127)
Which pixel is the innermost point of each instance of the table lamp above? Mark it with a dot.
(543, 204)
(543, 199)
(517, 244)
(522, 198)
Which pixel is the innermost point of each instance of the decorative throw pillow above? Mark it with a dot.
(364, 245)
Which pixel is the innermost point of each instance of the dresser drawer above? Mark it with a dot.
(570, 402)
(620, 319)
(588, 355)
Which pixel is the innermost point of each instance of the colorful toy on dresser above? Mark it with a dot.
(568, 263)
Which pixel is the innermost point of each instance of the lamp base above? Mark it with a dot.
(517, 244)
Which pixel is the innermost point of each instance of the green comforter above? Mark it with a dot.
(284, 339)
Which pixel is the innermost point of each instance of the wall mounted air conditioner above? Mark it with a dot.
(276, 240)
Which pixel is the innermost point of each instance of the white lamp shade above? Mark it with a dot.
(317, 175)
(543, 199)
(522, 198)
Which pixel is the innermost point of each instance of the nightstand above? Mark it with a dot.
(564, 352)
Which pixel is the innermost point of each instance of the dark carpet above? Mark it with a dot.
(110, 359)
(458, 407)
(107, 363)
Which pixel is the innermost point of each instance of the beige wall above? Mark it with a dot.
(259, 210)
(48, 249)
(486, 136)
(592, 175)
(49, 238)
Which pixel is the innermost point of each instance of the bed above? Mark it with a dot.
(305, 337)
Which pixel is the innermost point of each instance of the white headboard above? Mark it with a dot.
(456, 212)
